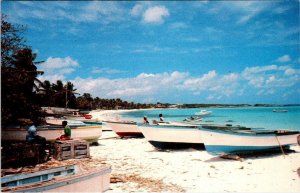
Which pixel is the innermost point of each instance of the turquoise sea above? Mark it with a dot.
(254, 117)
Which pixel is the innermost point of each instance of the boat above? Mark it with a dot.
(172, 136)
(58, 121)
(174, 123)
(227, 140)
(192, 119)
(203, 112)
(90, 133)
(124, 128)
(68, 178)
(280, 110)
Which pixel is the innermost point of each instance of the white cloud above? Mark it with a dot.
(137, 10)
(271, 77)
(211, 82)
(155, 14)
(143, 85)
(284, 58)
(212, 86)
(290, 71)
(97, 70)
(91, 11)
(51, 63)
(57, 68)
(245, 11)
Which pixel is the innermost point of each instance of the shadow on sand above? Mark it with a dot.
(252, 155)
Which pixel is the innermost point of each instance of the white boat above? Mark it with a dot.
(203, 112)
(226, 141)
(174, 123)
(125, 128)
(58, 121)
(86, 132)
(193, 119)
(280, 110)
(172, 137)
(58, 179)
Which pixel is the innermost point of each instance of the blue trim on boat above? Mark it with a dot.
(256, 133)
(225, 149)
(175, 145)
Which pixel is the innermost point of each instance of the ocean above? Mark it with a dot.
(254, 117)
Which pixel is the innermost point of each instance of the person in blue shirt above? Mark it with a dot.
(32, 135)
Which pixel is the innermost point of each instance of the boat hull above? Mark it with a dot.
(125, 129)
(89, 133)
(225, 142)
(89, 181)
(172, 137)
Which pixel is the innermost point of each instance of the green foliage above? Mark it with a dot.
(19, 83)
(11, 41)
(18, 90)
(58, 95)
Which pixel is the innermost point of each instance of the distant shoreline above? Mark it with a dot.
(184, 106)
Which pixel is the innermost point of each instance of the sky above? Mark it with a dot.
(226, 52)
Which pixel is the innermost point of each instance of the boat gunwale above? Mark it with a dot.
(167, 126)
(122, 122)
(253, 133)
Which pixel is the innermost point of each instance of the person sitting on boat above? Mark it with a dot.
(161, 119)
(67, 132)
(32, 135)
(146, 120)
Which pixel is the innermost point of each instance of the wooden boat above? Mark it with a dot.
(125, 128)
(59, 179)
(172, 136)
(86, 132)
(226, 140)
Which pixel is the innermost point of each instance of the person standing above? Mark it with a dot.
(146, 120)
(161, 119)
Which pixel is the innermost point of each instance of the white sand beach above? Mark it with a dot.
(142, 168)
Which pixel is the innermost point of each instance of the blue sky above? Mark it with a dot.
(160, 51)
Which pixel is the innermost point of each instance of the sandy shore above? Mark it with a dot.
(142, 168)
(109, 115)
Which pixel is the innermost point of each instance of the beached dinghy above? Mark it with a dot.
(172, 136)
(86, 132)
(228, 141)
(58, 179)
(125, 128)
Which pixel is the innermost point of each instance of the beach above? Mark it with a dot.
(142, 168)
(138, 167)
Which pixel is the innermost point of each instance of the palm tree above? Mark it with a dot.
(19, 88)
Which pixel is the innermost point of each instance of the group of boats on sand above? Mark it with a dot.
(217, 139)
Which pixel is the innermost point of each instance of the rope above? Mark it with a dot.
(280, 146)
